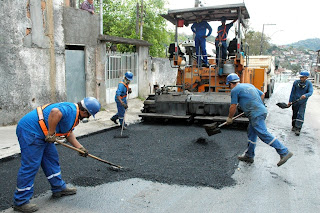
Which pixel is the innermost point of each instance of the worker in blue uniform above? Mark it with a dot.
(121, 99)
(221, 42)
(37, 131)
(251, 103)
(200, 29)
(302, 89)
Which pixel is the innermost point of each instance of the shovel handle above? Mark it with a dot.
(296, 101)
(235, 117)
(92, 156)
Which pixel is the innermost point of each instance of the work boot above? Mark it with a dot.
(28, 207)
(297, 131)
(67, 191)
(245, 159)
(114, 119)
(293, 129)
(284, 159)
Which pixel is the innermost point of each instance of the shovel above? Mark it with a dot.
(113, 166)
(284, 105)
(213, 129)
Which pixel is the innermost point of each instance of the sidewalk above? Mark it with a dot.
(9, 145)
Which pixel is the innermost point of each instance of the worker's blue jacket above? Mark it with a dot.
(200, 29)
(299, 88)
(223, 32)
(122, 92)
(30, 122)
(249, 99)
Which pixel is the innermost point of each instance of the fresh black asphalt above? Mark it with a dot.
(166, 153)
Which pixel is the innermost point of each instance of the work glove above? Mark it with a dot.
(220, 44)
(229, 121)
(85, 154)
(125, 105)
(129, 90)
(51, 138)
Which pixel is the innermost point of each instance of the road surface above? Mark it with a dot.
(168, 170)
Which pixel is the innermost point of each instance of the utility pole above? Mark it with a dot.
(196, 3)
(137, 18)
(261, 43)
(141, 20)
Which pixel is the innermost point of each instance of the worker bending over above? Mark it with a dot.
(121, 99)
(250, 100)
(302, 89)
(37, 131)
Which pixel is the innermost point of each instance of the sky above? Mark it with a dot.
(293, 21)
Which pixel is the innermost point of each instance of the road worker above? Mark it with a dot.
(121, 99)
(200, 28)
(250, 100)
(301, 89)
(221, 41)
(37, 131)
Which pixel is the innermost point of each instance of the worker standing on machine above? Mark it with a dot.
(121, 99)
(302, 89)
(250, 100)
(221, 41)
(37, 131)
(200, 29)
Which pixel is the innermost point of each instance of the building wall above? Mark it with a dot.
(32, 53)
(30, 56)
(155, 71)
(33, 37)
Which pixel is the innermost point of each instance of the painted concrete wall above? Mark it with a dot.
(33, 36)
(30, 55)
(155, 71)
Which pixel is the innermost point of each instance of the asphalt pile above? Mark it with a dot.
(171, 154)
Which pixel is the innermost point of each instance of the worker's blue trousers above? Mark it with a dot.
(257, 128)
(298, 111)
(201, 42)
(121, 110)
(223, 51)
(36, 152)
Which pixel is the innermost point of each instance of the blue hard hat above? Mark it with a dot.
(232, 78)
(304, 73)
(129, 75)
(91, 104)
(223, 19)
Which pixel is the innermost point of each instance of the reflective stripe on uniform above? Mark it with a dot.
(252, 142)
(53, 175)
(298, 120)
(25, 189)
(272, 141)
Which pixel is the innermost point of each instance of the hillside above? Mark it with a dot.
(311, 44)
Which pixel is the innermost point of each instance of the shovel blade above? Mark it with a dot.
(282, 105)
(212, 129)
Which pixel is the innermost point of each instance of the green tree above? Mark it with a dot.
(253, 39)
(119, 19)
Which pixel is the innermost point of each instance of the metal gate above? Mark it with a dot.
(117, 65)
(75, 75)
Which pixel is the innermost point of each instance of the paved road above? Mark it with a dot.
(176, 174)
